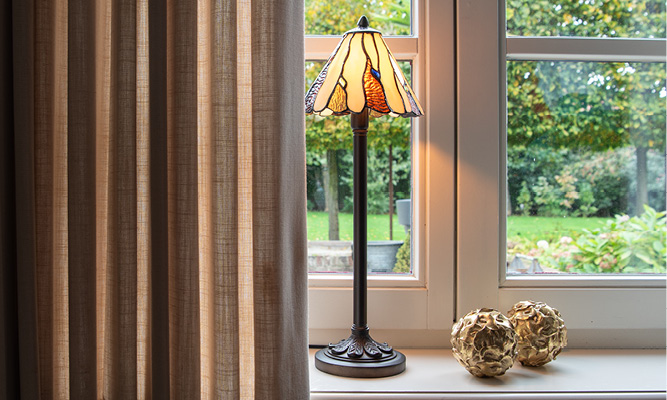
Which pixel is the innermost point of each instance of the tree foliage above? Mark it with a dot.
(586, 18)
(597, 106)
(588, 105)
(335, 17)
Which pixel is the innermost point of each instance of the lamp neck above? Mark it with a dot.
(359, 122)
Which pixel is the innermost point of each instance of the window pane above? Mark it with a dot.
(329, 190)
(587, 18)
(585, 167)
(335, 17)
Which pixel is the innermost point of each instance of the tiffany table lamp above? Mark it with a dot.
(361, 78)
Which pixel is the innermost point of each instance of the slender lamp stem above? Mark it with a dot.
(360, 356)
(359, 124)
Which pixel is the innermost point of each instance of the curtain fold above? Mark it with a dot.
(152, 217)
(9, 366)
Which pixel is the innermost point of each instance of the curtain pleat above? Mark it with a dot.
(159, 245)
(224, 199)
(143, 205)
(9, 366)
(44, 207)
(204, 182)
(23, 24)
(120, 342)
(82, 110)
(51, 197)
(152, 216)
(184, 329)
(278, 219)
(244, 192)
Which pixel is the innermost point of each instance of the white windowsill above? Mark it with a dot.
(576, 374)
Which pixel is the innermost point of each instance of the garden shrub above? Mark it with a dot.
(586, 201)
(377, 181)
(606, 173)
(527, 165)
(548, 182)
(525, 200)
(623, 245)
(548, 198)
(566, 180)
(403, 257)
(314, 189)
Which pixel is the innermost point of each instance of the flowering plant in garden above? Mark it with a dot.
(624, 245)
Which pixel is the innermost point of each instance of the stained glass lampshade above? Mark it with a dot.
(362, 73)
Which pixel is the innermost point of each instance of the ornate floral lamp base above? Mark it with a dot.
(359, 356)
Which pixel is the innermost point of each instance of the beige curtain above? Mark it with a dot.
(152, 205)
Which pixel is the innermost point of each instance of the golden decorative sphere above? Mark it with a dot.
(484, 342)
(541, 331)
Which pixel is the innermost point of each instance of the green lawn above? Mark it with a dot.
(535, 228)
(378, 226)
(545, 228)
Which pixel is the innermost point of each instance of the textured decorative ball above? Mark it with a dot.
(484, 342)
(541, 332)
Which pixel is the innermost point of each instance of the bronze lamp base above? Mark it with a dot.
(359, 356)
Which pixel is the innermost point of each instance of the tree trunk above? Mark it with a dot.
(331, 193)
(642, 180)
(391, 193)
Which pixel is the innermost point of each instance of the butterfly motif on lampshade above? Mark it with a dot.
(362, 73)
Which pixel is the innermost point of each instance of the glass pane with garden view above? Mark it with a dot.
(586, 146)
(335, 17)
(329, 191)
(586, 18)
(329, 157)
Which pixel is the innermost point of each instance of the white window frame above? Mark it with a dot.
(615, 311)
(413, 310)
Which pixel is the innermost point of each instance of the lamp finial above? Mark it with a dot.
(363, 22)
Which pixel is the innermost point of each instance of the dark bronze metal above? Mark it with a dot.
(359, 124)
(362, 26)
(359, 355)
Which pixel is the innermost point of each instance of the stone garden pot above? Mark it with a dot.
(336, 256)
(382, 255)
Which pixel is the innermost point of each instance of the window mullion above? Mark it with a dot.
(321, 47)
(586, 49)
